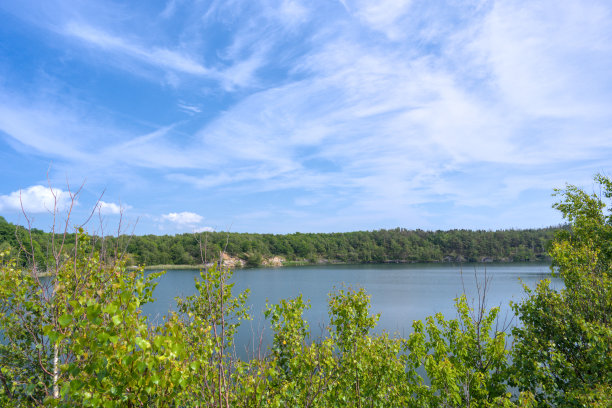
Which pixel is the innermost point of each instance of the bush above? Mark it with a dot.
(562, 352)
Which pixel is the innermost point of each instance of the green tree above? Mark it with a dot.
(23, 349)
(465, 359)
(110, 354)
(370, 370)
(208, 322)
(300, 371)
(79, 335)
(254, 260)
(563, 350)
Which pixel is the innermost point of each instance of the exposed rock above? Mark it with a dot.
(274, 261)
(232, 262)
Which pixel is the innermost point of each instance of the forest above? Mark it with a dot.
(395, 245)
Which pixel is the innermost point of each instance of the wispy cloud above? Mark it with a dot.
(540, 55)
(192, 109)
(170, 8)
(161, 57)
(53, 130)
(381, 16)
(232, 68)
(294, 12)
(46, 129)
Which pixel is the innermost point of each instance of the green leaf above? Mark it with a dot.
(142, 343)
(65, 320)
(111, 308)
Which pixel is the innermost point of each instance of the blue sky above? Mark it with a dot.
(277, 116)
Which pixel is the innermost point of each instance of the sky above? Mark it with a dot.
(282, 116)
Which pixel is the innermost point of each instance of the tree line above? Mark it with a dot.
(394, 245)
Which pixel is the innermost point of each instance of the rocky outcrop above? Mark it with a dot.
(232, 262)
(274, 261)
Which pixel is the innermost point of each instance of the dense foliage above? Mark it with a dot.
(79, 338)
(563, 350)
(352, 247)
(397, 245)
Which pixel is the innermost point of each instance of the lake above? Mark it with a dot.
(401, 293)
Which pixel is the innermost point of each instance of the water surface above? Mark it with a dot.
(401, 293)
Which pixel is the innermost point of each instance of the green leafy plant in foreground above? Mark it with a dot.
(84, 331)
(370, 368)
(465, 359)
(563, 351)
(110, 354)
(23, 349)
(209, 320)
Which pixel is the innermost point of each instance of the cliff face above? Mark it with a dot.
(232, 262)
(273, 261)
(235, 262)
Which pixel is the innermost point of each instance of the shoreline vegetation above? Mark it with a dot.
(239, 250)
(307, 263)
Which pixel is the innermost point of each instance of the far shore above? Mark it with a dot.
(325, 262)
(169, 267)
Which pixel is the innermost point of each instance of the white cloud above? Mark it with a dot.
(191, 109)
(112, 208)
(203, 229)
(382, 15)
(161, 57)
(156, 150)
(306, 201)
(170, 9)
(48, 129)
(186, 221)
(36, 199)
(241, 72)
(54, 131)
(184, 218)
(293, 12)
(549, 58)
(385, 121)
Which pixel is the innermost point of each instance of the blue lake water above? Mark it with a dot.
(401, 293)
